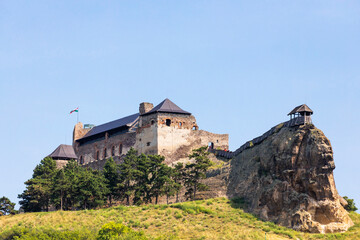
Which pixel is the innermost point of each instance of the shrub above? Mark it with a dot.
(119, 231)
(192, 209)
(351, 204)
(25, 233)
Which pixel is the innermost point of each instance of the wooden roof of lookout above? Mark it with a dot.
(63, 152)
(301, 108)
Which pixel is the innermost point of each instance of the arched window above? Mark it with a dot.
(168, 122)
(81, 160)
(113, 151)
(97, 155)
(180, 124)
(152, 122)
(211, 145)
(120, 149)
(105, 154)
(194, 128)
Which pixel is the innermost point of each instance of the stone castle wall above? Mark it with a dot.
(115, 146)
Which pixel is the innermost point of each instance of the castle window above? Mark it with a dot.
(97, 155)
(113, 151)
(105, 155)
(168, 122)
(120, 149)
(148, 143)
(81, 160)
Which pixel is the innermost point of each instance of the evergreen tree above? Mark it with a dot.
(111, 174)
(170, 187)
(92, 189)
(195, 171)
(143, 181)
(37, 195)
(128, 174)
(71, 180)
(178, 177)
(60, 189)
(6, 206)
(158, 176)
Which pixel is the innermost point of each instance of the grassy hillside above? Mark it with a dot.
(208, 219)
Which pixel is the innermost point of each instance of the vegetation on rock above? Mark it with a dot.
(350, 204)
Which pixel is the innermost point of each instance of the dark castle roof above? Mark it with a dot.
(122, 122)
(166, 106)
(63, 152)
(301, 108)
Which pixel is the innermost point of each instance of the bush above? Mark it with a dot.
(191, 209)
(119, 231)
(24, 233)
(351, 204)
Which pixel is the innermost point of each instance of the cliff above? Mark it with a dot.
(288, 179)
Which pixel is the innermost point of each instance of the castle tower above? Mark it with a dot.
(163, 127)
(62, 154)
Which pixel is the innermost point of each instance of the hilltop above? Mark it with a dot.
(217, 218)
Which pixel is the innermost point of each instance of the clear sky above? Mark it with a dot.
(238, 66)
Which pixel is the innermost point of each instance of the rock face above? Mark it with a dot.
(288, 179)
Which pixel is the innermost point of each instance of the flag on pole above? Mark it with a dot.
(75, 110)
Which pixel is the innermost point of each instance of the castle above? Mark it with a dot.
(165, 129)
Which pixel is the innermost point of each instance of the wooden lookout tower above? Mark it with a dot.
(301, 114)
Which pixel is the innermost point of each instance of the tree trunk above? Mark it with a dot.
(167, 198)
(195, 186)
(156, 199)
(61, 200)
(177, 196)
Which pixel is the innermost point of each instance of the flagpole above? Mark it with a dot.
(78, 115)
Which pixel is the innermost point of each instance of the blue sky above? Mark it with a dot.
(238, 66)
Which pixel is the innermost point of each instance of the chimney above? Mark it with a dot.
(145, 107)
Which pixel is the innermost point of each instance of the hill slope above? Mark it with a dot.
(217, 218)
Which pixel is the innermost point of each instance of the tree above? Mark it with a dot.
(128, 174)
(178, 177)
(37, 194)
(6, 206)
(111, 174)
(60, 189)
(142, 180)
(171, 187)
(92, 189)
(195, 171)
(160, 176)
(351, 204)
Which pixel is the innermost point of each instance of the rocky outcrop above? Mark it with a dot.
(288, 179)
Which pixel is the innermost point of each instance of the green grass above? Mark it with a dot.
(217, 218)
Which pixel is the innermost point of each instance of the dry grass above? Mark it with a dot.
(208, 219)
